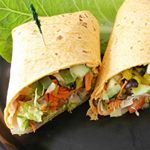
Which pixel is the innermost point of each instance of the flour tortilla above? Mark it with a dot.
(71, 39)
(129, 44)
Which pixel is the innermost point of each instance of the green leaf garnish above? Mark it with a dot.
(14, 13)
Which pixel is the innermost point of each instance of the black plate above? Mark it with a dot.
(76, 132)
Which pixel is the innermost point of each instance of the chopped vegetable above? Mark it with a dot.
(66, 75)
(131, 93)
(64, 90)
(141, 89)
(79, 71)
(51, 88)
(146, 79)
(35, 97)
(137, 76)
(23, 123)
(37, 85)
(88, 81)
(63, 93)
(28, 111)
(127, 74)
(79, 83)
(46, 82)
(105, 96)
(137, 104)
(112, 90)
(59, 78)
(59, 98)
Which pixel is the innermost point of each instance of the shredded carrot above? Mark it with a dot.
(113, 104)
(122, 88)
(52, 97)
(46, 96)
(33, 126)
(55, 99)
(44, 108)
(64, 93)
(88, 81)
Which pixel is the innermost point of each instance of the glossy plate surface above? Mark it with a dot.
(75, 131)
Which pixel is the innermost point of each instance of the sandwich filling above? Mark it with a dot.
(128, 91)
(51, 95)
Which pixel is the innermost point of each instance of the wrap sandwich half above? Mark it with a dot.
(47, 79)
(123, 83)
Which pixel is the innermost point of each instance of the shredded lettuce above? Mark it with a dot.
(52, 114)
(28, 111)
(37, 85)
(23, 123)
(36, 96)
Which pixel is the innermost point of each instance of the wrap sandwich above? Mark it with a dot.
(50, 77)
(123, 83)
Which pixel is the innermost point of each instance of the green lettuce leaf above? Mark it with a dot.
(16, 12)
(66, 75)
(28, 111)
(23, 123)
(46, 82)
